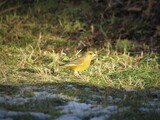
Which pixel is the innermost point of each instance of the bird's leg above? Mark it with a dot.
(79, 76)
(76, 74)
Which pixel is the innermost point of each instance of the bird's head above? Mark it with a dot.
(90, 54)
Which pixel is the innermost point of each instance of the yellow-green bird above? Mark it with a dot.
(81, 63)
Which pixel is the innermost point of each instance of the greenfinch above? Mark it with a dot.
(81, 63)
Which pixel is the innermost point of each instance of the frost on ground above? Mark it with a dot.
(77, 111)
(151, 106)
(5, 114)
(74, 109)
(68, 106)
(20, 100)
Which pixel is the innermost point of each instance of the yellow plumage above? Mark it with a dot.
(81, 63)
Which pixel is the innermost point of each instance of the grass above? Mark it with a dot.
(33, 46)
(31, 65)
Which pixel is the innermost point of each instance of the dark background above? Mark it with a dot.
(105, 21)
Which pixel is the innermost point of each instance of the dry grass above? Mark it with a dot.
(33, 45)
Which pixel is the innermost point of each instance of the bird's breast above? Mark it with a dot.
(81, 67)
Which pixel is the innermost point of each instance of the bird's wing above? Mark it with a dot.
(75, 62)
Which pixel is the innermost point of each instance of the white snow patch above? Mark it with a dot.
(151, 104)
(144, 109)
(13, 100)
(110, 98)
(115, 100)
(112, 108)
(6, 114)
(76, 108)
(71, 87)
(2, 100)
(155, 92)
(46, 95)
(87, 89)
(20, 100)
(68, 117)
(99, 118)
(80, 110)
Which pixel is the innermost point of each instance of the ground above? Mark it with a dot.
(121, 83)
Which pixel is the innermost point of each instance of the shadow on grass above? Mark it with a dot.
(47, 97)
